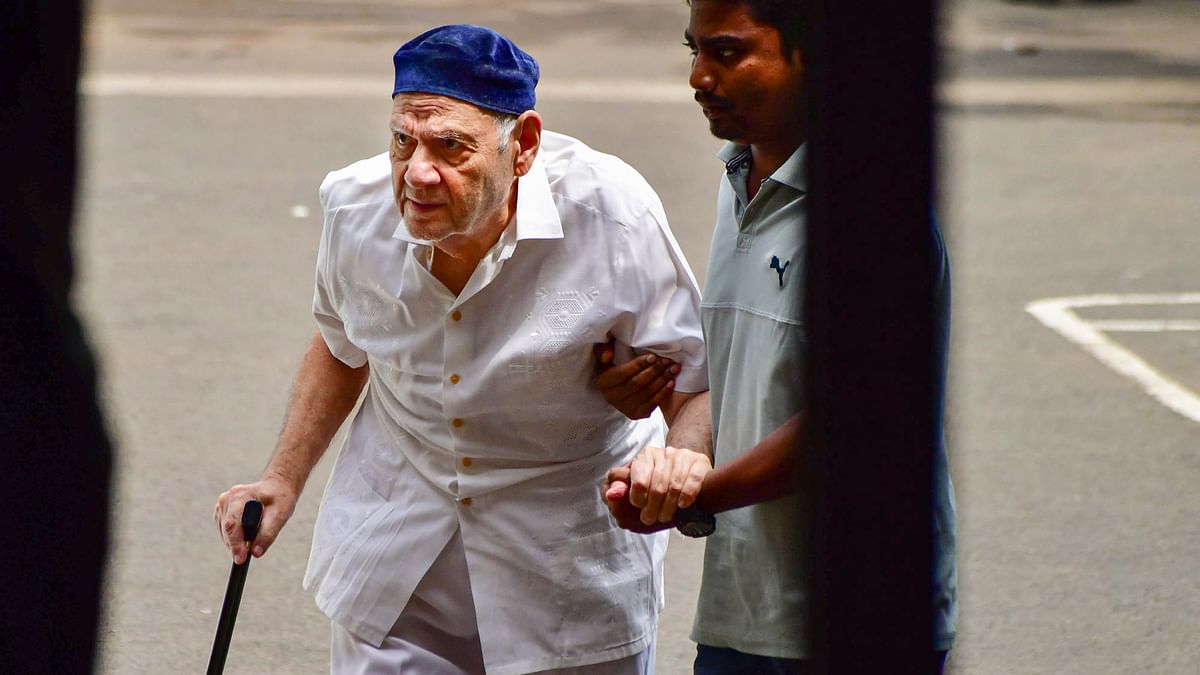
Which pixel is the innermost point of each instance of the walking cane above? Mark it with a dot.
(251, 517)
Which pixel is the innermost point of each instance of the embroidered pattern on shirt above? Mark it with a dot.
(554, 320)
(557, 326)
(372, 312)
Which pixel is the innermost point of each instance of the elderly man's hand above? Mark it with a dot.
(655, 484)
(616, 496)
(278, 498)
(636, 387)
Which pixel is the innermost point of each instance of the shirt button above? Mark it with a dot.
(456, 315)
(467, 461)
(457, 422)
(454, 379)
(465, 501)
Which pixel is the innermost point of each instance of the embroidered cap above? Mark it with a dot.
(470, 63)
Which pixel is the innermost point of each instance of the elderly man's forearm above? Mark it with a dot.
(690, 422)
(767, 471)
(323, 394)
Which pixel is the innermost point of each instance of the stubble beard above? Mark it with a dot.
(725, 130)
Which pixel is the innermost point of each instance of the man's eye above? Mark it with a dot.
(401, 140)
(726, 53)
(451, 144)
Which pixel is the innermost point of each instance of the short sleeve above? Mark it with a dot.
(329, 321)
(666, 317)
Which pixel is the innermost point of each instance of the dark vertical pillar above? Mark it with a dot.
(871, 153)
(55, 479)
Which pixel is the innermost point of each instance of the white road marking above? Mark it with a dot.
(1058, 313)
(1029, 91)
(1145, 326)
(1072, 91)
(329, 86)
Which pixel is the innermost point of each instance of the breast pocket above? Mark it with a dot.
(372, 317)
(400, 336)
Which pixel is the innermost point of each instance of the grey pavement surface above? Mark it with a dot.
(1071, 157)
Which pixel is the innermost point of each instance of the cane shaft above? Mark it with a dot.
(229, 610)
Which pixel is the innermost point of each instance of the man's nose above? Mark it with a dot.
(421, 171)
(701, 78)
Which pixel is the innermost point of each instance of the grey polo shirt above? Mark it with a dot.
(753, 597)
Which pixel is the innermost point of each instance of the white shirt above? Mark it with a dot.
(481, 413)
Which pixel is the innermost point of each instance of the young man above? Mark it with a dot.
(748, 74)
(457, 279)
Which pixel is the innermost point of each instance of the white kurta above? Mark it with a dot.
(481, 414)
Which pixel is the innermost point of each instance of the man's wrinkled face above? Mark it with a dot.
(449, 175)
(746, 84)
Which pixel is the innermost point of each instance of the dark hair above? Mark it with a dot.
(785, 16)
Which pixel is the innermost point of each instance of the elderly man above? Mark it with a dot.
(462, 277)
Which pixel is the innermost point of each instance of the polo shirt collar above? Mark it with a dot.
(790, 173)
(536, 216)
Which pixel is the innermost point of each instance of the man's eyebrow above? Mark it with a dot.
(719, 41)
(444, 134)
(454, 135)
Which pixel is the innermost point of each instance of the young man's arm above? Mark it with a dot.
(324, 393)
(765, 472)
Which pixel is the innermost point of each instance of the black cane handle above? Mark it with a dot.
(251, 519)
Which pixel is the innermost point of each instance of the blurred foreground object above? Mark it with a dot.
(57, 455)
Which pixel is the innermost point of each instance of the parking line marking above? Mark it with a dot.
(1145, 325)
(1058, 314)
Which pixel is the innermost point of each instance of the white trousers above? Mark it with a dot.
(438, 634)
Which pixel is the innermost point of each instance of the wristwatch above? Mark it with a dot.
(692, 522)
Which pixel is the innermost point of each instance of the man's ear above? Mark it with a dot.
(528, 139)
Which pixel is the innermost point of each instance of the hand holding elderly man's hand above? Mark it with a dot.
(644, 496)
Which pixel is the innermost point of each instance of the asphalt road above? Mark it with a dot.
(1071, 158)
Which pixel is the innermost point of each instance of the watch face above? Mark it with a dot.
(695, 523)
(697, 528)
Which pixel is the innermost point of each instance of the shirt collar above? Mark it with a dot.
(790, 173)
(536, 217)
(537, 214)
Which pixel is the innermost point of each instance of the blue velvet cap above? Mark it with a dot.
(470, 63)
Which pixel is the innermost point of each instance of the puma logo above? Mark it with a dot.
(779, 268)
